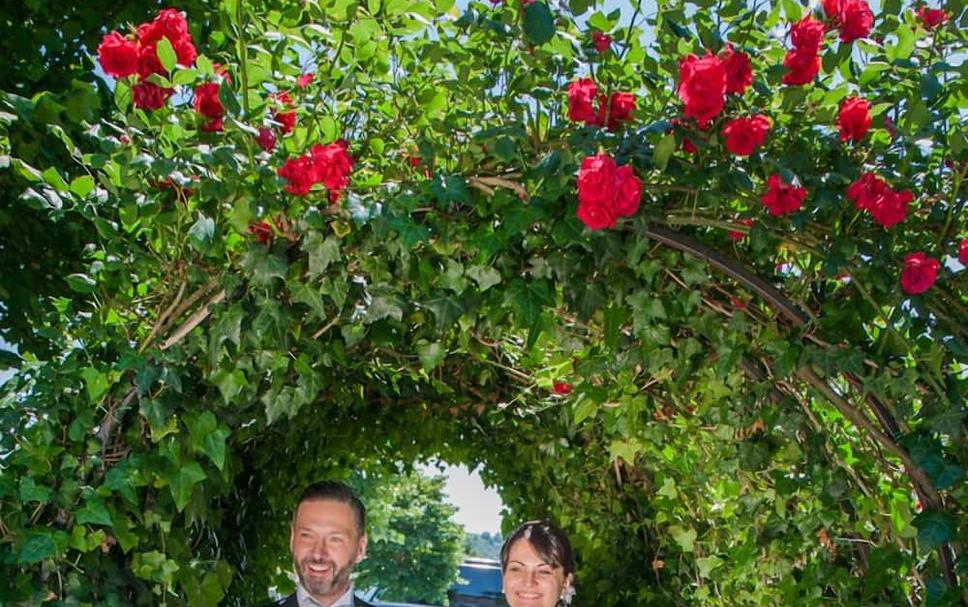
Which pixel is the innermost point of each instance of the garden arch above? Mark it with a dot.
(722, 366)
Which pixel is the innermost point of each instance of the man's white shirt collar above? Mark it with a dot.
(306, 600)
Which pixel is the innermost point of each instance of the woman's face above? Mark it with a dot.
(529, 581)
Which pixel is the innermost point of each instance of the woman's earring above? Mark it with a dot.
(567, 595)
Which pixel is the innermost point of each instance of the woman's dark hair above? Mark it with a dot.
(548, 541)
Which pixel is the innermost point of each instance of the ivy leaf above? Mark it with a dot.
(484, 276)
(182, 481)
(539, 23)
(934, 529)
(686, 538)
(30, 491)
(263, 267)
(201, 234)
(37, 547)
(431, 354)
(626, 449)
(96, 383)
(707, 564)
(230, 384)
(322, 252)
(166, 54)
(94, 512)
(449, 189)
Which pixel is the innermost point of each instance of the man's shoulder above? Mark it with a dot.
(289, 601)
(358, 602)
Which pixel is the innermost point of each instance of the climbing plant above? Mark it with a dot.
(688, 278)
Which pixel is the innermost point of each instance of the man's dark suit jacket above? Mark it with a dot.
(290, 601)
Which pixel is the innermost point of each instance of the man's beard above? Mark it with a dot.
(321, 586)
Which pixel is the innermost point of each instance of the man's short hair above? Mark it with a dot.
(337, 492)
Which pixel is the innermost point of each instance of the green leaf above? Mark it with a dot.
(32, 492)
(627, 449)
(934, 529)
(322, 252)
(230, 384)
(485, 277)
(166, 54)
(94, 512)
(182, 481)
(37, 547)
(83, 185)
(663, 151)
(539, 23)
(707, 564)
(228, 98)
(431, 354)
(96, 383)
(262, 266)
(686, 538)
(81, 283)
(202, 233)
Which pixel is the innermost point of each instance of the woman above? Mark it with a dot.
(538, 566)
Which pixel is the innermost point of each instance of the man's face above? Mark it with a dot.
(325, 547)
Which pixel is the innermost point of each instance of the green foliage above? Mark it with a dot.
(753, 420)
(414, 544)
(485, 545)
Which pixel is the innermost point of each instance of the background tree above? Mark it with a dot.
(415, 545)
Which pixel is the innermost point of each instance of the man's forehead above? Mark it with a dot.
(324, 508)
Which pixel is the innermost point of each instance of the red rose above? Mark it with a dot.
(803, 66)
(286, 120)
(931, 17)
(262, 231)
(919, 273)
(963, 252)
(266, 139)
(620, 108)
(300, 172)
(601, 41)
(743, 135)
(581, 96)
(148, 61)
(213, 126)
(736, 234)
(304, 80)
(831, 8)
(562, 388)
(891, 208)
(702, 87)
(168, 23)
(807, 33)
(739, 71)
(207, 102)
(781, 198)
(867, 191)
(855, 20)
(171, 24)
(628, 191)
(854, 119)
(333, 165)
(117, 55)
(150, 96)
(595, 180)
(606, 192)
(688, 146)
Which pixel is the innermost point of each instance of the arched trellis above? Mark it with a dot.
(216, 301)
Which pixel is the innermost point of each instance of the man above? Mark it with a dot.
(327, 540)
